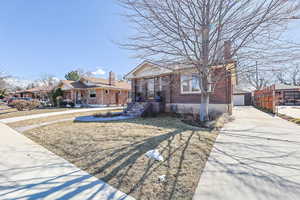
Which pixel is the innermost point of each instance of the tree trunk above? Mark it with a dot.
(204, 108)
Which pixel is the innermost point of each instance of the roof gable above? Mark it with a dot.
(91, 82)
(147, 69)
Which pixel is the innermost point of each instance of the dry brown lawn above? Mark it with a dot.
(12, 112)
(54, 118)
(115, 153)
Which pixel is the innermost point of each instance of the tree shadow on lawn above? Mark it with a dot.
(264, 161)
(121, 168)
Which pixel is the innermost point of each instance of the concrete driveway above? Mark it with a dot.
(29, 171)
(255, 157)
(292, 111)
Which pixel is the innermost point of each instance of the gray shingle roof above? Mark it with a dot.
(286, 87)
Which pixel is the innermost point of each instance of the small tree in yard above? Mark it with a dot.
(54, 94)
(195, 32)
(3, 93)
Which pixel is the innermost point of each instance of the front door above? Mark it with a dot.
(78, 97)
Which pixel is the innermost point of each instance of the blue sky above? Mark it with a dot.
(40, 37)
(55, 36)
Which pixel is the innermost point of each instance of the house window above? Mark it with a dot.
(139, 86)
(190, 84)
(92, 93)
(160, 83)
(150, 87)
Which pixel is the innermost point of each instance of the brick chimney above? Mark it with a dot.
(227, 50)
(112, 78)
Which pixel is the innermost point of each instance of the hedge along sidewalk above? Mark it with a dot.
(16, 119)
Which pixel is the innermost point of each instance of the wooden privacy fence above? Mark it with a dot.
(266, 98)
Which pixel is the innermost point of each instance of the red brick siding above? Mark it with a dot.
(67, 95)
(102, 97)
(220, 95)
(171, 90)
(123, 97)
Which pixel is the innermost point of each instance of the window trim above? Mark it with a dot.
(190, 81)
(152, 87)
(160, 83)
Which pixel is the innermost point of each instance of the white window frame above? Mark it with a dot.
(152, 87)
(190, 83)
(92, 92)
(139, 87)
(160, 83)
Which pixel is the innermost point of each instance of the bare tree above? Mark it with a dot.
(47, 81)
(3, 80)
(193, 32)
(289, 76)
(256, 78)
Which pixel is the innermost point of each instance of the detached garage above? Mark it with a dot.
(242, 98)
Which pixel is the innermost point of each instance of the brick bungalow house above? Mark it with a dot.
(176, 88)
(96, 91)
(178, 91)
(39, 93)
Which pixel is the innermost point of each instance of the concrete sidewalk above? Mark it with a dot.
(35, 116)
(292, 111)
(255, 157)
(29, 171)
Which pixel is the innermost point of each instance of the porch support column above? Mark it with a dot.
(133, 90)
(73, 96)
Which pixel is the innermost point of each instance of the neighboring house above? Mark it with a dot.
(39, 93)
(177, 90)
(242, 97)
(287, 94)
(96, 91)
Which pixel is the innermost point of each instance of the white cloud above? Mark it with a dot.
(99, 72)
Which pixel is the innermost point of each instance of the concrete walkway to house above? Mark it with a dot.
(29, 171)
(35, 116)
(29, 127)
(255, 157)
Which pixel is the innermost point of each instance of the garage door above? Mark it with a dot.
(238, 100)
